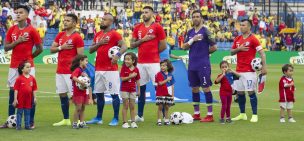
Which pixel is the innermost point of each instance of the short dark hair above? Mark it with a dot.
(285, 67)
(169, 65)
(73, 16)
(148, 7)
(197, 11)
(133, 57)
(21, 66)
(26, 8)
(224, 62)
(249, 21)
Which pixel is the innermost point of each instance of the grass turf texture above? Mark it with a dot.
(268, 128)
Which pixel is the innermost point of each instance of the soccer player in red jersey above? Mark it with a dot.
(245, 47)
(21, 39)
(25, 94)
(107, 80)
(150, 38)
(68, 44)
(286, 90)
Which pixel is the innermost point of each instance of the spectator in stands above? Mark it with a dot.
(255, 23)
(219, 5)
(86, 5)
(92, 4)
(90, 31)
(155, 4)
(84, 26)
(41, 30)
(262, 26)
(288, 42)
(282, 26)
(277, 40)
(298, 42)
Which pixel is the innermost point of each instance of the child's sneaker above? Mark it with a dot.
(254, 118)
(222, 121)
(126, 125)
(18, 128)
(28, 128)
(159, 123)
(75, 125)
(167, 123)
(134, 125)
(291, 120)
(83, 125)
(228, 120)
(282, 120)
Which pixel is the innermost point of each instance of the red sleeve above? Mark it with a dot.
(58, 37)
(17, 84)
(161, 35)
(138, 74)
(79, 42)
(157, 78)
(36, 36)
(95, 37)
(117, 37)
(256, 44)
(34, 84)
(8, 37)
(75, 73)
(281, 83)
(234, 46)
(216, 78)
(122, 71)
(135, 34)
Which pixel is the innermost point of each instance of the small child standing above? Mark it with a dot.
(129, 75)
(164, 90)
(81, 97)
(25, 94)
(226, 80)
(286, 90)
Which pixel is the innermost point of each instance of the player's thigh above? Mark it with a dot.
(63, 83)
(112, 82)
(193, 78)
(249, 80)
(12, 76)
(100, 81)
(144, 76)
(205, 78)
(152, 70)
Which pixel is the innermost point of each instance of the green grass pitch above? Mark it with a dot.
(268, 128)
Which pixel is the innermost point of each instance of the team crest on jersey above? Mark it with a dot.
(31, 84)
(107, 37)
(70, 41)
(150, 30)
(247, 43)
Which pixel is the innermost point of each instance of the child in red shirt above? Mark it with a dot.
(25, 94)
(286, 90)
(164, 90)
(226, 80)
(129, 75)
(81, 97)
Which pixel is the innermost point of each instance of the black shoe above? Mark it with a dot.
(228, 120)
(75, 126)
(83, 125)
(222, 121)
(28, 128)
(18, 128)
(166, 123)
(159, 123)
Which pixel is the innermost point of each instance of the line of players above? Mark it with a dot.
(149, 37)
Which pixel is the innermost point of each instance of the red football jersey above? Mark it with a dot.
(25, 87)
(288, 91)
(76, 91)
(103, 61)
(225, 89)
(65, 57)
(130, 85)
(161, 90)
(244, 58)
(24, 50)
(148, 51)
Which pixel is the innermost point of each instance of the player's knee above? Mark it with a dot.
(195, 90)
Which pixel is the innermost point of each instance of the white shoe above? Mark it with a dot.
(139, 119)
(282, 120)
(134, 125)
(291, 120)
(126, 125)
